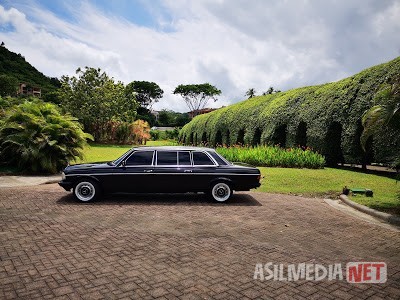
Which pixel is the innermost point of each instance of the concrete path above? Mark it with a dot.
(15, 181)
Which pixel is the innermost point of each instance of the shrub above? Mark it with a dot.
(141, 132)
(309, 115)
(273, 156)
(36, 137)
(155, 135)
(172, 134)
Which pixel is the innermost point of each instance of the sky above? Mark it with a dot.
(232, 44)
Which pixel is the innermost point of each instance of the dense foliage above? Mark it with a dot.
(36, 137)
(15, 66)
(171, 118)
(326, 118)
(95, 99)
(274, 156)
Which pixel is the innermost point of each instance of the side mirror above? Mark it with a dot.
(123, 164)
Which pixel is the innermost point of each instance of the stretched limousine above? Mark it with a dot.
(175, 169)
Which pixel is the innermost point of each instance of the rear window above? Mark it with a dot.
(167, 158)
(184, 158)
(201, 159)
(140, 158)
(217, 158)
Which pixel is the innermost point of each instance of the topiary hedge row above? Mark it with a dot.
(325, 117)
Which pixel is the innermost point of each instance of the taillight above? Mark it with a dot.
(259, 177)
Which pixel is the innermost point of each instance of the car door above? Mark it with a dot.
(172, 171)
(204, 169)
(135, 173)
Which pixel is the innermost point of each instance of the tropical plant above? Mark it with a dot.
(196, 96)
(36, 137)
(250, 93)
(385, 114)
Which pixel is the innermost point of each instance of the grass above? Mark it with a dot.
(275, 156)
(329, 183)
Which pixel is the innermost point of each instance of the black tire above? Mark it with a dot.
(220, 191)
(86, 190)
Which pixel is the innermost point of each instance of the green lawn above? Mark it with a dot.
(326, 182)
(329, 182)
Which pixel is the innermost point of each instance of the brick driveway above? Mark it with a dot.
(181, 246)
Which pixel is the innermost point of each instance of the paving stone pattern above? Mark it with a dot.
(181, 246)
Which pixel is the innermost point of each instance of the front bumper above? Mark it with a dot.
(67, 185)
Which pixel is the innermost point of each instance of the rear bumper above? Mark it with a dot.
(67, 185)
(247, 187)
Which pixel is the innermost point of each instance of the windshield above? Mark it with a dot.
(118, 160)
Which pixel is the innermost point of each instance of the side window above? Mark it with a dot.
(218, 159)
(167, 158)
(140, 158)
(184, 158)
(201, 159)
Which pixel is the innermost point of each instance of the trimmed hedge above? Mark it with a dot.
(325, 117)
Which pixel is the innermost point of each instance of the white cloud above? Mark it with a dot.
(234, 45)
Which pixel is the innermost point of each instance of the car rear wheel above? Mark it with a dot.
(221, 191)
(87, 190)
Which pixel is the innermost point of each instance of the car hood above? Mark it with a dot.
(96, 165)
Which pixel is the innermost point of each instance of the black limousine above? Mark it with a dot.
(175, 169)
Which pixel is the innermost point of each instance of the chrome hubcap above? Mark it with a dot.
(85, 191)
(221, 192)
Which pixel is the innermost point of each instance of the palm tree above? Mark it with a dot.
(384, 114)
(36, 137)
(251, 93)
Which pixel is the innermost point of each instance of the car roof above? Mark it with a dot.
(173, 148)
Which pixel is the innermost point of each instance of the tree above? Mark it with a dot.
(146, 93)
(8, 85)
(95, 99)
(270, 91)
(36, 137)
(166, 118)
(251, 93)
(196, 96)
(182, 119)
(384, 114)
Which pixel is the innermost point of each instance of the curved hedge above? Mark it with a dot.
(325, 117)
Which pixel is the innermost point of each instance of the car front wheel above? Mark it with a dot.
(86, 190)
(221, 191)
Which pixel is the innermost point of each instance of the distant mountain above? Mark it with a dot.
(15, 65)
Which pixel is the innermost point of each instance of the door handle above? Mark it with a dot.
(188, 171)
(148, 171)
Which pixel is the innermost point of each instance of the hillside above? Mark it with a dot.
(325, 117)
(15, 65)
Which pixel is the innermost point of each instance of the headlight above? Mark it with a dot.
(63, 176)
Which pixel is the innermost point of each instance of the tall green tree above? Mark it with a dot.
(196, 96)
(95, 99)
(146, 93)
